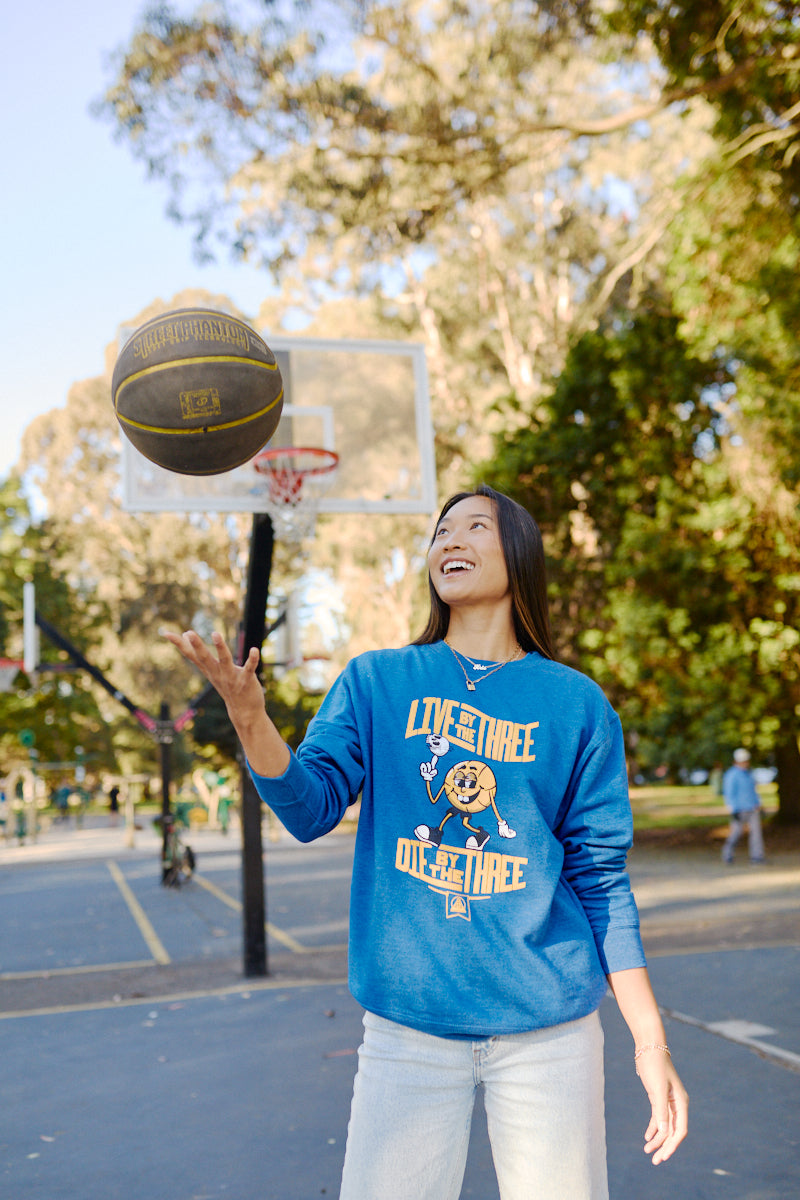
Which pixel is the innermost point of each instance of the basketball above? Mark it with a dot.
(197, 391)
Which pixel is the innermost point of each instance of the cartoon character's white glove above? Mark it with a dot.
(503, 829)
(428, 771)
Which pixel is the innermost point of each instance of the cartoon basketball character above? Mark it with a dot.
(470, 787)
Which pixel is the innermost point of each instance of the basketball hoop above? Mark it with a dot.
(9, 669)
(296, 479)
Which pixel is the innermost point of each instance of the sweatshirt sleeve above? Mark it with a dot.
(326, 774)
(596, 832)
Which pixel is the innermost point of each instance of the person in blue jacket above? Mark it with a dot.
(490, 904)
(744, 805)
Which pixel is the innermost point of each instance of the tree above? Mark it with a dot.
(510, 179)
(672, 585)
(732, 278)
(616, 439)
(27, 554)
(483, 171)
(743, 57)
(730, 270)
(383, 131)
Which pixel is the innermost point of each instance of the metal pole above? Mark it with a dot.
(253, 634)
(164, 746)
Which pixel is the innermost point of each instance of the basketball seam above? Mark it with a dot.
(208, 428)
(191, 362)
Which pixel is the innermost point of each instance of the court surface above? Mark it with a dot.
(139, 1063)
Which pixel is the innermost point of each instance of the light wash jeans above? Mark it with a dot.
(412, 1108)
(751, 821)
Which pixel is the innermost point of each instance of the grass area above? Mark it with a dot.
(693, 815)
(657, 807)
(673, 816)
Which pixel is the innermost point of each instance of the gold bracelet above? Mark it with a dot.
(639, 1051)
(653, 1046)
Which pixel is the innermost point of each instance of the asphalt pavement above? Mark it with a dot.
(138, 1062)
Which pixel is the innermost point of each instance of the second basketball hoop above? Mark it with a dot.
(295, 478)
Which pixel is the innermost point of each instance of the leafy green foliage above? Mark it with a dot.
(673, 587)
(589, 212)
(284, 139)
(618, 440)
(61, 711)
(743, 56)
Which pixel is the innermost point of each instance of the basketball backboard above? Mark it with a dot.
(365, 400)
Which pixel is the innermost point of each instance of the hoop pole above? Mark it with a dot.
(165, 763)
(254, 624)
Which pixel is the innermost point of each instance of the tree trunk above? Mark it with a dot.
(787, 758)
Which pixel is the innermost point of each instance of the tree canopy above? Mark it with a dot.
(589, 213)
(673, 585)
(32, 718)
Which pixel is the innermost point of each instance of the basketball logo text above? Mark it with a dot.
(202, 403)
(196, 329)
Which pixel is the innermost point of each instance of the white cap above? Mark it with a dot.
(741, 756)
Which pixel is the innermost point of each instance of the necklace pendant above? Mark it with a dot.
(470, 685)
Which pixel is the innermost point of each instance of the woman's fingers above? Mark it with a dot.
(669, 1122)
(238, 686)
(193, 648)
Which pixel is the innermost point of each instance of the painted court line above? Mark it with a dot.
(715, 948)
(149, 934)
(243, 989)
(231, 901)
(285, 939)
(49, 973)
(742, 1033)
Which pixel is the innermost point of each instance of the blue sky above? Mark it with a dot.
(85, 240)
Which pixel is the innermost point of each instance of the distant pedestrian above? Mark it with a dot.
(61, 797)
(744, 805)
(113, 804)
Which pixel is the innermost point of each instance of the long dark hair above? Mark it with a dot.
(523, 552)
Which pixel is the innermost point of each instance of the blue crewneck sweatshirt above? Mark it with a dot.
(489, 891)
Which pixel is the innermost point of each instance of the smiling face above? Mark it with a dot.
(466, 560)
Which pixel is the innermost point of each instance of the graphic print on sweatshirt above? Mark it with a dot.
(463, 868)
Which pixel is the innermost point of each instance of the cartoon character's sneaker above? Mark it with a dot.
(477, 840)
(432, 837)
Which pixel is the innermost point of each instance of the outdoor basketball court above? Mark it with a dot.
(139, 1064)
(354, 437)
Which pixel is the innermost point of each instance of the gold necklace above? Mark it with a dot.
(518, 653)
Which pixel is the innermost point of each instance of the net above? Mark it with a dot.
(295, 479)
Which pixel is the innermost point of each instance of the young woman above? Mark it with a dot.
(490, 906)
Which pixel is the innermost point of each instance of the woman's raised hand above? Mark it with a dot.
(241, 690)
(238, 686)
